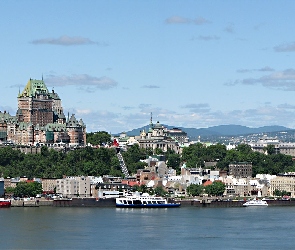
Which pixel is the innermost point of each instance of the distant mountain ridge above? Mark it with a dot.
(221, 130)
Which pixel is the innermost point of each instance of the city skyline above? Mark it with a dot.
(193, 64)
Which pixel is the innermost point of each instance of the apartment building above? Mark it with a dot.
(283, 183)
(73, 186)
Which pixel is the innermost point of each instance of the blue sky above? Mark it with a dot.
(191, 63)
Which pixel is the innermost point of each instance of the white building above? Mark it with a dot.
(74, 186)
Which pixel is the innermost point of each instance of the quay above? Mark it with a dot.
(110, 202)
(31, 203)
(230, 203)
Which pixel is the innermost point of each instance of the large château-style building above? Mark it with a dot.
(40, 120)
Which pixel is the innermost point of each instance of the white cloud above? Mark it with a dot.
(103, 83)
(196, 116)
(151, 87)
(83, 111)
(184, 20)
(197, 108)
(200, 21)
(264, 69)
(177, 19)
(281, 80)
(229, 28)
(285, 47)
(206, 38)
(67, 41)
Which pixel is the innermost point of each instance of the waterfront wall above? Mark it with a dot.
(214, 203)
(93, 202)
(85, 202)
(31, 203)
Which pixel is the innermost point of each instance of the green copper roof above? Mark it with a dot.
(54, 96)
(55, 127)
(34, 87)
(6, 117)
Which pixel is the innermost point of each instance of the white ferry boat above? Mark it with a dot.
(255, 203)
(144, 201)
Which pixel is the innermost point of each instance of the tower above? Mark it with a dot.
(35, 104)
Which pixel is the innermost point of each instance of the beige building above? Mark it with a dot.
(74, 187)
(283, 183)
(49, 184)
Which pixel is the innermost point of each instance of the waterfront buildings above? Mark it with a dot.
(49, 185)
(40, 120)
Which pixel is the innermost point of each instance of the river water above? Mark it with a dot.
(123, 228)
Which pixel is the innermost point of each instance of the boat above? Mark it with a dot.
(144, 201)
(5, 202)
(255, 202)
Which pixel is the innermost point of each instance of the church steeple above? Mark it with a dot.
(151, 123)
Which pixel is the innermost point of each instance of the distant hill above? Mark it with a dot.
(221, 130)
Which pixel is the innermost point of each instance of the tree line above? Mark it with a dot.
(100, 161)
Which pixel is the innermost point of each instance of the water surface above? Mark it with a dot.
(123, 228)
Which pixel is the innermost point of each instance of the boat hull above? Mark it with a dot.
(168, 205)
(5, 204)
(255, 203)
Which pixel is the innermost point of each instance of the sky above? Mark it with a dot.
(192, 64)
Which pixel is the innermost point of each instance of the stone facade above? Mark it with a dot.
(157, 137)
(49, 185)
(240, 169)
(40, 120)
(283, 183)
(74, 186)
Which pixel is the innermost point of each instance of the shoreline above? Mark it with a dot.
(93, 202)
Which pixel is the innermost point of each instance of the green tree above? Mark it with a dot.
(160, 191)
(244, 148)
(135, 188)
(270, 149)
(9, 190)
(215, 152)
(281, 193)
(195, 189)
(30, 189)
(173, 161)
(159, 151)
(143, 188)
(217, 188)
(98, 138)
(277, 193)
